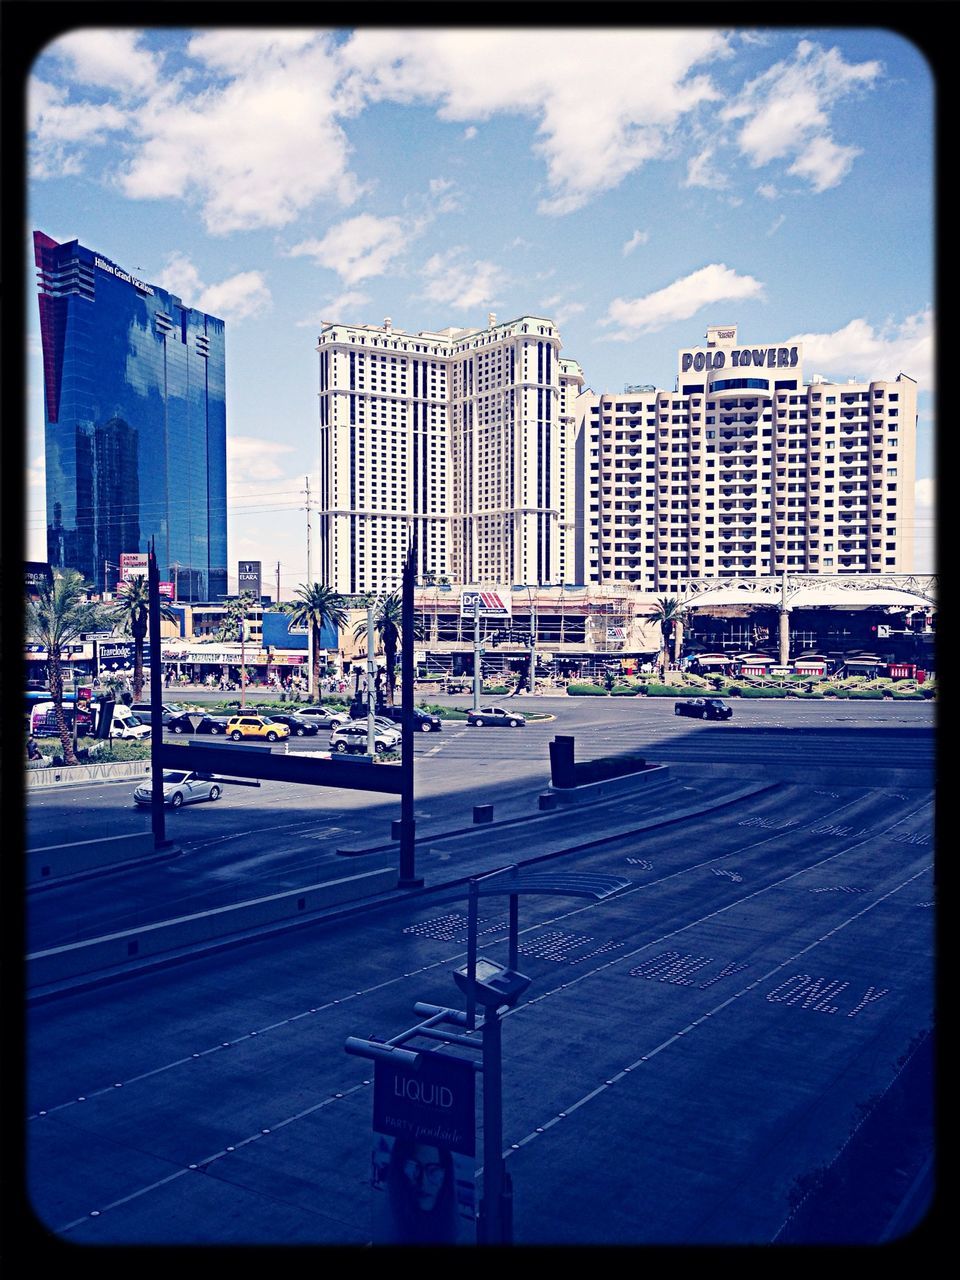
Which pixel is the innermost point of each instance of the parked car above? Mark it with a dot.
(326, 717)
(352, 737)
(497, 716)
(169, 711)
(422, 720)
(207, 724)
(180, 787)
(703, 708)
(299, 726)
(250, 726)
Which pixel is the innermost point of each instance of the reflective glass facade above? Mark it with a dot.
(135, 424)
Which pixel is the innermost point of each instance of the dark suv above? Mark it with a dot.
(422, 720)
(703, 709)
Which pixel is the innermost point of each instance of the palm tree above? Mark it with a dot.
(132, 612)
(388, 626)
(667, 611)
(317, 606)
(235, 616)
(56, 616)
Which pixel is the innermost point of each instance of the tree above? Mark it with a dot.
(387, 625)
(235, 616)
(132, 612)
(317, 606)
(56, 617)
(667, 611)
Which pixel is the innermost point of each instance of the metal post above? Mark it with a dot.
(243, 661)
(476, 654)
(533, 646)
(371, 680)
(157, 813)
(491, 1208)
(408, 876)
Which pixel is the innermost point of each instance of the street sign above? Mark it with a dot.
(195, 722)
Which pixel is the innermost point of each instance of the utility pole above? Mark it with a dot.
(243, 659)
(371, 681)
(307, 508)
(533, 646)
(278, 582)
(476, 654)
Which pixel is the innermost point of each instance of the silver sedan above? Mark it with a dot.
(180, 787)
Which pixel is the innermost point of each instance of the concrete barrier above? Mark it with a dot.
(97, 955)
(56, 861)
(102, 771)
(624, 785)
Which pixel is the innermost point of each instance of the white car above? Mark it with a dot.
(180, 787)
(352, 737)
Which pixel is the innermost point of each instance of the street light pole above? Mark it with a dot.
(533, 643)
(476, 654)
(371, 678)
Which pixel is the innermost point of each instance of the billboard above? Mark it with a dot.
(133, 564)
(491, 604)
(36, 573)
(424, 1151)
(248, 578)
(166, 589)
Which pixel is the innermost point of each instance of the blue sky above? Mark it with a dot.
(634, 184)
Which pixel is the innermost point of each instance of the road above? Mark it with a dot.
(688, 1056)
(279, 836)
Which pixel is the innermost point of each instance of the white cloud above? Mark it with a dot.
(776, 225)
(700, 173)
(443, 195)
(638, 237)
(786, 112)
(109, 59)
(343, 309)
(767, 190)
(251, 460)
(592, 129)
(560, 311)
(924, 526)
(469, 132)
(58, 127)
(37, 472)
(823, 163)
(358, 248)
(234, 299)
(458, 283)
(860, 351)
(678, 301)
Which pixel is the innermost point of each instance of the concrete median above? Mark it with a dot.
(97, 955)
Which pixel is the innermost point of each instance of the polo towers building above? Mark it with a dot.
(745, 469)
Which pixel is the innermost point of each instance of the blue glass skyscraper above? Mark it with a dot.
(135, 424)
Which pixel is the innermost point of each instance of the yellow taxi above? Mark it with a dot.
(252, 726)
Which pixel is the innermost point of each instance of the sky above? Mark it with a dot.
(633, 184)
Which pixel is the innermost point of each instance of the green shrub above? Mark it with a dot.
(586, 690)
(665, 691)
(624, 691)
(760, 691)
(496, 688)
(910, 695)
(864, 694)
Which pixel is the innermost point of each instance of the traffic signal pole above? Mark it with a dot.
(476, 654)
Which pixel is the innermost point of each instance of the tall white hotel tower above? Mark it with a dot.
(745, 469)
(465, 436)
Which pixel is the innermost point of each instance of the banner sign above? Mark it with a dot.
(133, 564)
(35, 575)
(166, 589)
(424, 1151)
(492, 604)
(615, 633)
